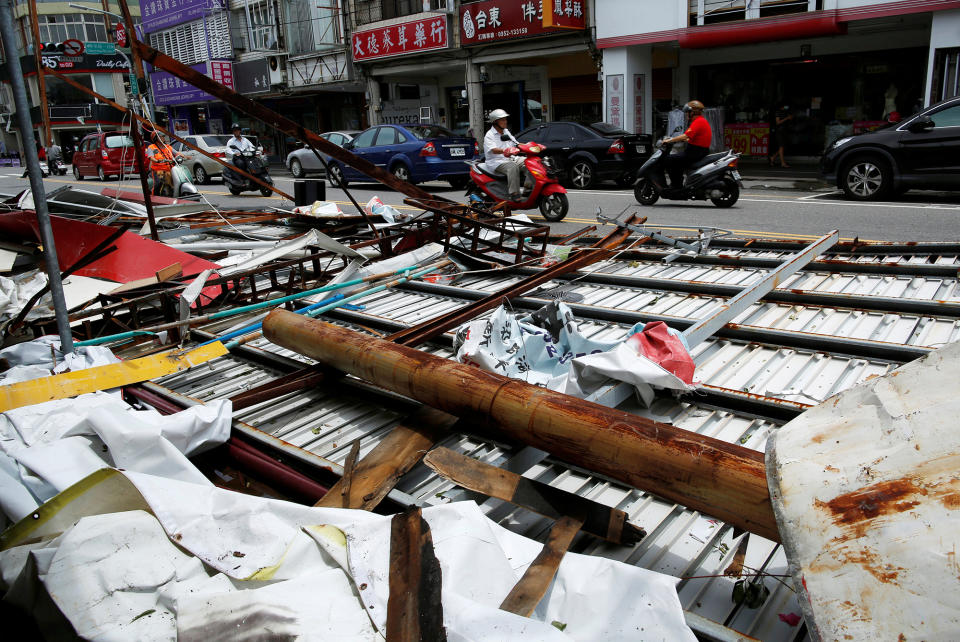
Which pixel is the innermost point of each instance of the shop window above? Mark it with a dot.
(78, 26)
(189, 43)
(397, 8)
(705, 12)
(946, 75)
(408, 92)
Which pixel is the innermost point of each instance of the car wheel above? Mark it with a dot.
(728, 194)
(582, 174)
(400, 171)
(459, 182)
(200, 176)
(100, 173)
(646, 192)
(296, 169)
(866, 178)
(554, 206)
(76, 173)
(336, 176)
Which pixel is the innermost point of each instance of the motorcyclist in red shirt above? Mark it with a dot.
(698, 137)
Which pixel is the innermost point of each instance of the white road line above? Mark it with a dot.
(925, 206)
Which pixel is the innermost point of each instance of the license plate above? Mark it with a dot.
(457, 151)
(641, 149)
(735, 174)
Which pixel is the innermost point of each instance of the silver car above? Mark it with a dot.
(204, 168)
(302, 161)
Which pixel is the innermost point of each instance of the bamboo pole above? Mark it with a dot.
(705, 474)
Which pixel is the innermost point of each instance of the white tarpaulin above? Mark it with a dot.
(42, 357)
(421, 256)
(547, 349)
(250, 568)
(46, 447)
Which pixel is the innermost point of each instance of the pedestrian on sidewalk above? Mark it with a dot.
(778, 130)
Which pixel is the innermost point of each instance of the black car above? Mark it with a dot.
(591, 153)
(921, 152)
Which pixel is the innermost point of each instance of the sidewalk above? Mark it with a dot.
(803, 174)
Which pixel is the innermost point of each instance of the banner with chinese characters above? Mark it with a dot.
(639, 93)
(160, 14)
(615, 99)
(416, 36)
(170, 90)
(748, 139)
(497, 20)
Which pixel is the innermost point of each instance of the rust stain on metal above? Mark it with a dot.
(877, 500)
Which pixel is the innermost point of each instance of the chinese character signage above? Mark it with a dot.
(403, 38)
(253, 76)
(496, 20)
(639, 91)
(615, 100)
(170, 90)
(160, 14)
(222, 72)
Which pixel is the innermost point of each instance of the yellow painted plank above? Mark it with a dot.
(71, 384)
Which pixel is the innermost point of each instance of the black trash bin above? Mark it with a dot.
(306, 192)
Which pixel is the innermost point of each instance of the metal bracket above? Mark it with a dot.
(704, 237)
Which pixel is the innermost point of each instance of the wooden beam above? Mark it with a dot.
(531, 588)
(414, 608)
(597, 519)
(398, 452)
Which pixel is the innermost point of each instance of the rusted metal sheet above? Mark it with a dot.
(414, 608)
(597, 519)
(705, 474)
(602, 249)
(531, 588)
(866, 489)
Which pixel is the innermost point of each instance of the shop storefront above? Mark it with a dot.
(532, 59)
(187, 109)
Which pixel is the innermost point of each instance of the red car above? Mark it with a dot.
(102, 154)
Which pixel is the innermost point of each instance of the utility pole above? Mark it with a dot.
(135, 129)
(22, 105)
(41, 80)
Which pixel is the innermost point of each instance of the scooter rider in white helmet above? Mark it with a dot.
(496, 140)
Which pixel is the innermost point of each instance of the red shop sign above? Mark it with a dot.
(497, 20)
(403, 38)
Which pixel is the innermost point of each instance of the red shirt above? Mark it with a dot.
(699, 132)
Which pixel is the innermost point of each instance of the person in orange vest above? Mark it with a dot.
(162, 158)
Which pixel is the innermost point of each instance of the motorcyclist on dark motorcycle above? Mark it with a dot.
(244, 155)
(698, 137)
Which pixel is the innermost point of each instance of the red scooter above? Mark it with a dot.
(547, 193)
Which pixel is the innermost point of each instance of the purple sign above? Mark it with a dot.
(170, 90)
(160, 14)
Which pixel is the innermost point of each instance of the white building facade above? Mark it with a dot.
(835, 65)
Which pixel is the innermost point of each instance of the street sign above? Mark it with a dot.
(73, 47)
(134, 87)
(120, 34)
(101, 48)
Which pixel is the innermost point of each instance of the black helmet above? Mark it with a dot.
(234, 126)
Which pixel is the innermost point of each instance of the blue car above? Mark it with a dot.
(413, 153)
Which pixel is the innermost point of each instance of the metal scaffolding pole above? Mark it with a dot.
(36, 175)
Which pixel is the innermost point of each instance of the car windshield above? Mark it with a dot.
(606, 129)
(216, 141)
(423, 132)
(117, 140)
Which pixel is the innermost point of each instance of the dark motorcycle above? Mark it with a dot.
(715, 176)
(253, 164)
(56, 166)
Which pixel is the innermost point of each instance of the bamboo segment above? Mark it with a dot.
(705, 474)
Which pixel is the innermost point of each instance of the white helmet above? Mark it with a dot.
(497, 114)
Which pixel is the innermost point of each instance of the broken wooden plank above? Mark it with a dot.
(163, 274)
(114, 375)
(398, 452)
(349, 466)
(414, 608)
(597, 519)
(531, 588)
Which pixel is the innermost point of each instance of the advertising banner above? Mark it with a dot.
(748, 139)
(170, 90)
(639, 91)
(615, 99)
(160, 14)
(482, 23)
(85, 63)
(413, 36)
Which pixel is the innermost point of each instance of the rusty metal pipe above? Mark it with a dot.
(705, 474)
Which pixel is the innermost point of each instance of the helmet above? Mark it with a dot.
(694, 106)
(234, 126)
(497, 114)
